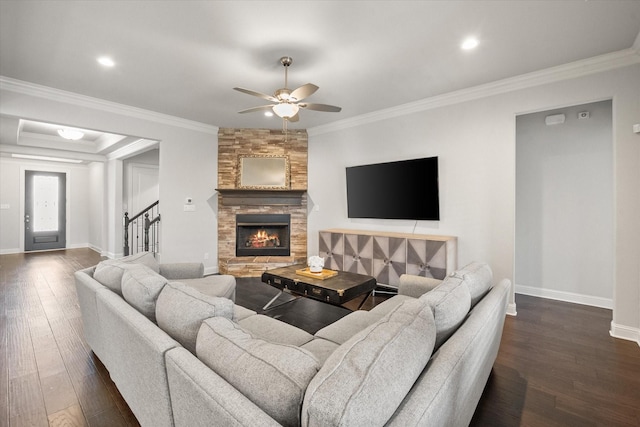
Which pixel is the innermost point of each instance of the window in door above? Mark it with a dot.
(45, 210)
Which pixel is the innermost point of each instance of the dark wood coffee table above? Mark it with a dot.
(336, 290)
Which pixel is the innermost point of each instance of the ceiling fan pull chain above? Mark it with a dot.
(284, 129)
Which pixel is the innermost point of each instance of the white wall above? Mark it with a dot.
(564, 205)
(188, 166)
(475, 141)
(97, 228)
(10, 198)
(11, 220)
(140, 181)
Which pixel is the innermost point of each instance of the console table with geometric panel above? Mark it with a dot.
(386, 256)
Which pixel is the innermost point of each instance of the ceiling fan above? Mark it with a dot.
(287, 101)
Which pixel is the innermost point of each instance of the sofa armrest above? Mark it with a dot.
(182, 270)
(415, 286)
(200, 397)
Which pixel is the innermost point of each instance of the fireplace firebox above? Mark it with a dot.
(263, 234)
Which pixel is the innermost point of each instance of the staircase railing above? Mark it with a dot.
(142, 230)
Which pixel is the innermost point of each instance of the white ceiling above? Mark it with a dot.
(183, 58)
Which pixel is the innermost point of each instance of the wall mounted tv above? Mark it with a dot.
(406, 189)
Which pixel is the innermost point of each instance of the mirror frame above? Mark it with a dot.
(263, 172)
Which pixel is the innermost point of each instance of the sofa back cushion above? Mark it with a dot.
(109, 272)
(180, 311)
(365, 379)
(450, 302)
(273, 376)
(478, 278)
(141, 287)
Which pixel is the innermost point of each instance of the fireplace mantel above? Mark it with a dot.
(253, 197)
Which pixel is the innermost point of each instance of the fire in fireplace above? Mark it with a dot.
(263, 234)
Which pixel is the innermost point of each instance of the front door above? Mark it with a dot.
(45, 216)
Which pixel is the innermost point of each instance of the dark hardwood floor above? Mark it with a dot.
(557, 364)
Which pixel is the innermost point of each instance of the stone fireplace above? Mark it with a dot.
(235, 202)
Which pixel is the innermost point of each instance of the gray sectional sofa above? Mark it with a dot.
(181, 352)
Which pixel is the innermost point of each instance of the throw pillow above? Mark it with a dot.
(273, 376)
(141, 287)
(478, 277)
(450, 302)
(365, 379)
(109, 272)
(180, 310)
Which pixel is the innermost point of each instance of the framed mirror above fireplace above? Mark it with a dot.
(263, 172)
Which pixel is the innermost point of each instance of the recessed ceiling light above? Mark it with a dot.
(268, 113)
(106, 61)
(72, 134)
(51, 159)
(470, 43)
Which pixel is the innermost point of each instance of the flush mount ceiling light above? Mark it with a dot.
(71, 134)
(106, 61)
(469, 43)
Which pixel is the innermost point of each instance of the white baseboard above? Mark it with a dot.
(111, 255)
(77, 246)
(565, 296)
(72, 246)
(511, 309)
(95, 248)
(625, 332)
(10, 251)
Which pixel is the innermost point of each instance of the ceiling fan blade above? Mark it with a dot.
(254, 109)
(294, 118)
(321, 107)
(303, 91)
(258, 94)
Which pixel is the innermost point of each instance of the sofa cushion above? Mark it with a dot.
(180, 310)
(366, 378)
(273, 376)
(343, 329)
(450, 302)
(478, 278)
(274, 330)
(109, 272)
(217, 285)
(386, 306)
(240, 312)
(141, 287)
(320, 348)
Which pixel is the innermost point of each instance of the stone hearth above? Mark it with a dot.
(233, 143)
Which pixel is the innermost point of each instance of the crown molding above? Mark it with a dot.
(136, 147)
(32, 89)
(36, 151)
(597, 64)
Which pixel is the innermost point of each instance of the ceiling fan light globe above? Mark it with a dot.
(285, 110)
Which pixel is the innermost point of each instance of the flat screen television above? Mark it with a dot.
(406, 189)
